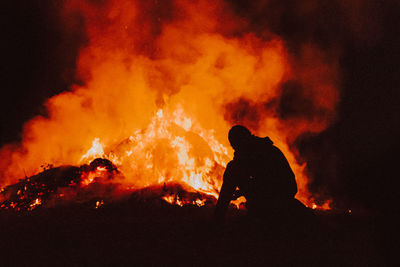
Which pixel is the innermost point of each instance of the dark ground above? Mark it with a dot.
(355, 160)
(156, 233)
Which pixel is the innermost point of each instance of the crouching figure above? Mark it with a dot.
(263, 176)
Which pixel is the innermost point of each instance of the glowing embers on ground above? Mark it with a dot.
(325, 206)
(55, 185)
(171, 199)
(176, 200)
(37, 202)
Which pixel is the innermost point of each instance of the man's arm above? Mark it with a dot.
(225, 196)
(287, 174)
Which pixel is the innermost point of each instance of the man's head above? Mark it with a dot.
(239, 137)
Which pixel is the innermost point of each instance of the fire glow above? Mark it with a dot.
(157, 96)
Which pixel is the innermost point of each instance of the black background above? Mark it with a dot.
(354, 160)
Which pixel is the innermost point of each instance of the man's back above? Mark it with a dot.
(268, 170)
(262, 173)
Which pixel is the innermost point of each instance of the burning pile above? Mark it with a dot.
(36, 190)
(65, 184)
(161, 84)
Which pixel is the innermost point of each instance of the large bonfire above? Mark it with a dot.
(162, 85)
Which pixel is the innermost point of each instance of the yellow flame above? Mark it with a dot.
(95, 151)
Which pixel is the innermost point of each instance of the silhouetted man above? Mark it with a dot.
(262, 174)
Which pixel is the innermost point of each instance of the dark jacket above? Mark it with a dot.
(262, 174)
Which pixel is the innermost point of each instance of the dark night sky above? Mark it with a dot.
(354, 160)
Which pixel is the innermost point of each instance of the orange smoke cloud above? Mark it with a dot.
(163, 83)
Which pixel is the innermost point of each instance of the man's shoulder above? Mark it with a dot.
(276, 150)
(233, 164)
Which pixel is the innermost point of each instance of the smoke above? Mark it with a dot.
(355, 38)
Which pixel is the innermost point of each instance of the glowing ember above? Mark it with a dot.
(89, 177)
(36, 203)
(324, 206)
(55, 184)
(176, 200)
(169, 199)
(99, 204)
(199, 202)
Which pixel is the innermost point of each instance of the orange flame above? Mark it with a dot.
(156, 91)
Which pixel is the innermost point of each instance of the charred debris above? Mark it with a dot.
(90, 185)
